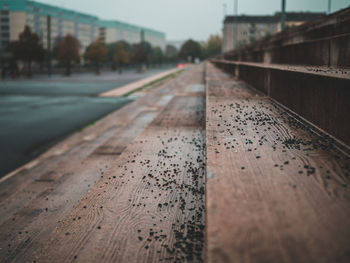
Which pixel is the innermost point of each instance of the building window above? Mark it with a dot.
(5, 35)
(5, 20)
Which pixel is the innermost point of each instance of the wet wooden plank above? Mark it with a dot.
(52, 169)
(276, 190)
(65, 150)
(311, 69)
(43, 194)
(25, 185)
(17, 181)
(32, 224)
(149, 206)
(55, 193)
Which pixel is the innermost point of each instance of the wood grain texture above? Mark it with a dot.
(45, 176)
(132, 190)
(36, 199)
(28, 184)
(156, 99)
(24, 231)
(54, 222)
(149, 206)
(276, 191)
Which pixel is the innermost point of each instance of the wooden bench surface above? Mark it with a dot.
(200, 168)
(276, 190)
(99, 195)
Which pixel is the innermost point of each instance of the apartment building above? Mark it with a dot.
(250, 28)
(46, 19)
(112, 31)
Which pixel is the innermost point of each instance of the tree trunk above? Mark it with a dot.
(29, 69)
(97, 68)
(68, 68)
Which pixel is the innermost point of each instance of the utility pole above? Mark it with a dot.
(329, 6)
(235, 25)
(48, 25)
(283, 15)
(142, 36)
(223, 48)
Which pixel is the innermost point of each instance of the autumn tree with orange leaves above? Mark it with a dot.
(121, 56)
(68, 52)
(96, 53)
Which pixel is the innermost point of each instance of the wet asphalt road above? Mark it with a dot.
(35, 114)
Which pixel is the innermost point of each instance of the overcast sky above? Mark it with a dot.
(183, 19)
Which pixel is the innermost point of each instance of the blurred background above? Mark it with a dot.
(57, 56)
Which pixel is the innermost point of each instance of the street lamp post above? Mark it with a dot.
(48, 25)
(224, 33)
(329, 6)
(235, 26)
(283, 15)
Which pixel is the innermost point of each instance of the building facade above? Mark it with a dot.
(241, 30)
(112, 31)
(51, 22)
